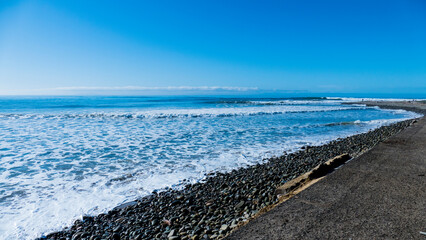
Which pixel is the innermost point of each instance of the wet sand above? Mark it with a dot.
(378, 195)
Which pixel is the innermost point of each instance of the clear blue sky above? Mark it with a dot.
(60, 47)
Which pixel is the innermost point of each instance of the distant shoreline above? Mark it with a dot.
(223, 201)
(413, 106)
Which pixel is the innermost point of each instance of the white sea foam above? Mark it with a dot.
(347, 99)
(296, 102)
(184, 113)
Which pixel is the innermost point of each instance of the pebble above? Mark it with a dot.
(224, 227)
(239, 205)
(172, 233)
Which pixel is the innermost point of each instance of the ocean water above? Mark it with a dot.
(65, 157)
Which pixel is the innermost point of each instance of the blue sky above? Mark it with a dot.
(81, 47)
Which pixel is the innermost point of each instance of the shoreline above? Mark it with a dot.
(223, 201)
(413, 106)
(378, 195)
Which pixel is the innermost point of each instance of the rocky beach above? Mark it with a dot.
(221, 202)
(378, 195)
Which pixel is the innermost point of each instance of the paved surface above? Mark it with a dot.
(379, 195)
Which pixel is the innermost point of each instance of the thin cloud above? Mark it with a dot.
(169, 88)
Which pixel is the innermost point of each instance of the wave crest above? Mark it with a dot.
(186, 113)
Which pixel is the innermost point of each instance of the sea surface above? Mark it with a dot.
(65, 157)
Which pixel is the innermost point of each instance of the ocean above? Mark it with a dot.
(65, 157)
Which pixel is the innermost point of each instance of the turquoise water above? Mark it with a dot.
(63, 157)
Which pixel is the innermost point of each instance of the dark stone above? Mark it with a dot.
(116, 236)
(240, 205)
